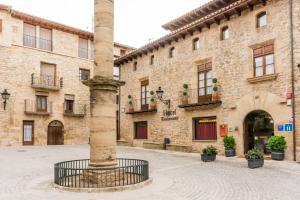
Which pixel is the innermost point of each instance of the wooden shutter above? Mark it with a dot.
(0, 25)
(206, 129)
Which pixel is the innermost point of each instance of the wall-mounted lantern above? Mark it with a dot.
(5, 96)
(159, 94)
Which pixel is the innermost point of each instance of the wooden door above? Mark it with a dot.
(55, 135)
(28, 133)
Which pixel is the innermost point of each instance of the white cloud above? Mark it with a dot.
(136, 21)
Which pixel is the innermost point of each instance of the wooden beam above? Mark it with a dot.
(264, 2)
(227, 17)
(207, 25)
(199, 29)
(238, 11)
(217, 21)
(182, 35)
(250, 6)
(191, 32)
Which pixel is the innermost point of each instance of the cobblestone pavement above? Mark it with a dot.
(26, 173)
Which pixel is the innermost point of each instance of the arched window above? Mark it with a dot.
(261, 19)
(196, 43)
(225, 33)
(172, 52)
(152, 60)
(134, 66)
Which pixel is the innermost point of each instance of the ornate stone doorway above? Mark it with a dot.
(55, 133)
(258, 128)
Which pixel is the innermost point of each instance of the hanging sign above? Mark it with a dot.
(288, 127)
(169, 115)
(280, 128)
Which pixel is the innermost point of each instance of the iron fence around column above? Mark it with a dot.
(78, 174)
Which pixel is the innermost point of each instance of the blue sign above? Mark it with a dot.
(288, 127)
(280, 128)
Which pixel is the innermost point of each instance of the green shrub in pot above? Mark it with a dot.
(277, 145)
(209, 154)
(255, 158)
(229, 144)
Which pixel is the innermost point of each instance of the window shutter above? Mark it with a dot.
(269, 49)
(258, 52)
(0, 25)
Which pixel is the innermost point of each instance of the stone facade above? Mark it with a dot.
(18, 63)
(232, 64)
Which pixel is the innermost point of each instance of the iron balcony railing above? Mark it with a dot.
(77, 174)
(46, 81)
(193, 97)
(32, 41)
(75, 109)
(33, 107)
(141, 105)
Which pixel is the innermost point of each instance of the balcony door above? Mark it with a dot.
(145, 95)
(28, 133)
(48, 74)
(205, 85)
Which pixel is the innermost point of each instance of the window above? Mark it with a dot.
(141, 130)
(83, 48)
(152, 60)
(134, 66)
(28, 132)
(205, 128)
(225, 33)
(172, 52)
(69, 106)
(84, 74)
(47, 76)
(116, 72)
(196, 44)
(45, 39)
(261, 20)
(205, 85)
(41, 103)
(264, 61)
(144, 95)
(29, 35)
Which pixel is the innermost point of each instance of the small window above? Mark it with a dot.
(41, 103)
(141, 130)
(225, 33)
(69, 106)
(29, 35)
(264, 61)
(172, 52)
(205, 128)
(196, 44)
(83, 48)
(134, 66)
(261, 20)
(152, 60)
(84, 74)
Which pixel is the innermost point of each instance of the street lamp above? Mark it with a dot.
(159, 94)
(5, 96)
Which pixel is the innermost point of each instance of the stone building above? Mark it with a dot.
(42, 64)
(228, 67)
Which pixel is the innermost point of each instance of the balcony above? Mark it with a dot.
(46, 82)
(195, 102)
(31, 108)
(32, 41)
(74, 110)
(137, 107)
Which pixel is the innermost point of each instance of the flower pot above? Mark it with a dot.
(130, 108)
(277, 155)
(185, 100)
(252, 164)
(215, 96)
(229, 152)
(152, 106)
(208, 157)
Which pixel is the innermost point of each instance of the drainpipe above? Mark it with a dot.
(293, 74)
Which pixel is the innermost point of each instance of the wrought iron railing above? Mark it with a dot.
(46, 81)
(77, 174)
(141, 105)
(31, 107)
(193, 97)
(74, 109)
(31, 41)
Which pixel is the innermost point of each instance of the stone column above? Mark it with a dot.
(103, 89)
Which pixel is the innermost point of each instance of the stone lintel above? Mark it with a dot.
(103, 83)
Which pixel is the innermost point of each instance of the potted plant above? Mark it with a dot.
(209, 154)
(229, 144)
(185, 98)
(215, 94)
(130, 104)
(152, 101)
(255, 158)
(277, 145)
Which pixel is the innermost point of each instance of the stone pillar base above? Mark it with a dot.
(105, 177)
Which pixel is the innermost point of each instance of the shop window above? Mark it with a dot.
(264, 61)
(84, 74)
(141, 130)
(261, 20)
(225, 33)
(145, 95)
(196, 44)
(172, 52)
(205, 85)
(205, 128)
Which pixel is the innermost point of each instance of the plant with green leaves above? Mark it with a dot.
(152, 96)
(277, 144)
(130, 99)
(214, 80)
(254, 154)
(229, 142)
(185, 86)
(210, 150)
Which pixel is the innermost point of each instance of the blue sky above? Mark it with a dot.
(136, 21)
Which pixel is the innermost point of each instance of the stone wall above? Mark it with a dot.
(232, 62)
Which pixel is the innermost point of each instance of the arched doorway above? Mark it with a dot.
(55, 133)
(258, 127)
